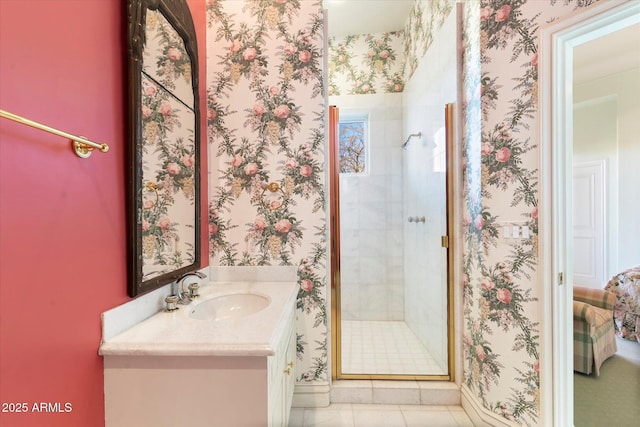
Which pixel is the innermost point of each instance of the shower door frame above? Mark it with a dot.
(447, 243)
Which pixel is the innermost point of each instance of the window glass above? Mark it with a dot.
(353, 145)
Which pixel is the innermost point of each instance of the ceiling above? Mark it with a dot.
(606, 55)
(610, 54)
(348, 17)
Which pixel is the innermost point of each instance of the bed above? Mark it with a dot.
(626, 312)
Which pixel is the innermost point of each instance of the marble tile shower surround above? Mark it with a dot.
(371, 215)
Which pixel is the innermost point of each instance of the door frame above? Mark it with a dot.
(334, 237)
(557, 41)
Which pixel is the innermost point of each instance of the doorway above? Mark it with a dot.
(558, 42)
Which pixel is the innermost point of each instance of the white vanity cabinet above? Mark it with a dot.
(281, 369)
(171, 371)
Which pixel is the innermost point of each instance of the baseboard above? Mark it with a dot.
(316, 395)
(480, 416)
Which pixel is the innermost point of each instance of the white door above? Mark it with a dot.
(589, 224)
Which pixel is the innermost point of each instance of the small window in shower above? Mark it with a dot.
(354, 136)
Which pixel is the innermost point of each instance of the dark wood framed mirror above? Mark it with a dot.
(164, 144)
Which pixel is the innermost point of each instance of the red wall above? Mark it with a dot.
(62, 218)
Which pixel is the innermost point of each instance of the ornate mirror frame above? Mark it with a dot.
(163, 169)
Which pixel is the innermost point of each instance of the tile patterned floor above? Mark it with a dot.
(359, 415)
(385, 347)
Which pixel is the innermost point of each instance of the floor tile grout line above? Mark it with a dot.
(351, 410)
(413, 358)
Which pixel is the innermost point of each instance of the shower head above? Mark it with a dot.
(418, 135)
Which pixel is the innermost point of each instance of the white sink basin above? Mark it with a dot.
(229, 307)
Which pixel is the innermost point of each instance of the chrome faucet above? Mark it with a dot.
(185, 297)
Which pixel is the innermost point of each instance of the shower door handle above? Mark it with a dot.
(445, 241)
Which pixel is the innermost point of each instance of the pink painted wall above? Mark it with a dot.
(62, 218)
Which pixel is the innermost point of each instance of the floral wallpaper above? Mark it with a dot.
(265, 116)
(165, 58)
(423, 23)
(168, 149)
(366, 64)
(500, 285)
(384, 62)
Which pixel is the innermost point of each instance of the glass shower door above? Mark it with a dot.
(391, 284)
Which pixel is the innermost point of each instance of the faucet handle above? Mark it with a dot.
(194, 290)
(172, 302)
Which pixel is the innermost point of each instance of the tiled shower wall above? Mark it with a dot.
(371, 215)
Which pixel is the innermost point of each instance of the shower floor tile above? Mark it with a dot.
(384, 347)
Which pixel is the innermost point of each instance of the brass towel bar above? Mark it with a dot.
(81, 146)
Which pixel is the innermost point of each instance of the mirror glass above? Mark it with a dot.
(164, 167)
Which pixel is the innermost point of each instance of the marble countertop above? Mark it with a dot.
(177, 334)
